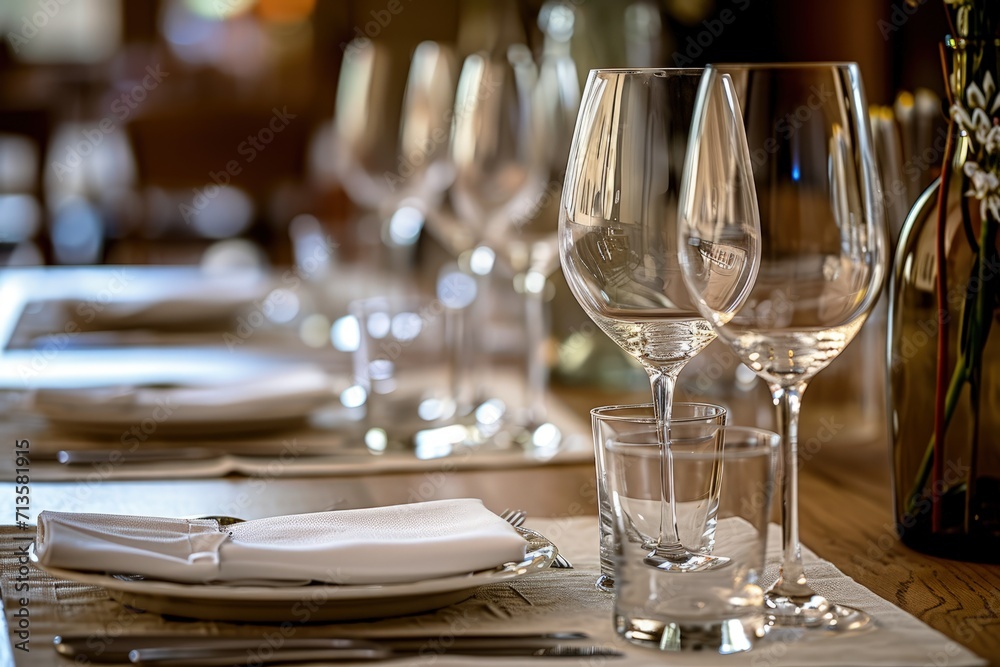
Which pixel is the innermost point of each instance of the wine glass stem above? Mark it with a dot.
(468, 350)
(792, 579)
(662, 382)
(536, 320)
(457, 328)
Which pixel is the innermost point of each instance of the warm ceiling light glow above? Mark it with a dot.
(285, 11)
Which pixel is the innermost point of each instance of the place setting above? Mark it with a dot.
(362, 399)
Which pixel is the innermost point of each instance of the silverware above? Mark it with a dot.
(517, 518)
(343, 650)
(98, 650)
(72, 457)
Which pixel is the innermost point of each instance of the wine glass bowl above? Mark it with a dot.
(491, 141)
(618, 240)
(365, 125)
(808, 161)
(391, 152)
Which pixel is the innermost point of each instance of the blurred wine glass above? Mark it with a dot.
(394, 163)
(526, 241)
(496, 176)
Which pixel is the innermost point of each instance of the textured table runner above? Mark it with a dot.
(555, 600)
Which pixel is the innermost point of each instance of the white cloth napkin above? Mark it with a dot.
(379, 545)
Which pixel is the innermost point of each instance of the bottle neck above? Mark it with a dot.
(971, 59)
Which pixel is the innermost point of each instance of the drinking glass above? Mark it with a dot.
(822, 255)
(714, 609)
(614, 422)
(618, 239)
(404, 365)
(491, 150)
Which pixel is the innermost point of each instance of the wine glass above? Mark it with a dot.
(618, 241)
(392, 156)
(822, 256)
(526, 240)
(494, 178)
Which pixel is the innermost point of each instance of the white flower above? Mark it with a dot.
(988, 86)
(975, 97)
(985, 188)
(983, 132)
(982, 124)
(973, 117)
(961, 117)
(992, 143)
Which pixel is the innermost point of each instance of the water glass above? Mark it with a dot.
(618, 421)
(404, 364)
(719, 609)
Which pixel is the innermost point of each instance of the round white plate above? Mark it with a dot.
(275, 396)
(314, 602)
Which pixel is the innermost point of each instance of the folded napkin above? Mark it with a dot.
(379, 545)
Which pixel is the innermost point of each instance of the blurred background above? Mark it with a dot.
(237, 132)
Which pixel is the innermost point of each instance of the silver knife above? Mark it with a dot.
(90, 456)
(351, 650)
(97, 649)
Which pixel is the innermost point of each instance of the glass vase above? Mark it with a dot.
(944, 356)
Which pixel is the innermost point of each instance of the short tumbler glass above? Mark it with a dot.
(615, 421)
(719, 609)
(404, 362)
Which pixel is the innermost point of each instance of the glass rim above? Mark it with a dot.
(816, 64)
(599, 412)
(649, 70)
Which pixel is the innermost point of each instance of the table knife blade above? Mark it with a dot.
(354, 650)
(99, 649)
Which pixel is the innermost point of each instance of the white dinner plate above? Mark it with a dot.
(313, 602)
(275, 396)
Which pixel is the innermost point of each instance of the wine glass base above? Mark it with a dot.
(605, 584)
(814, 613)
(689, 562)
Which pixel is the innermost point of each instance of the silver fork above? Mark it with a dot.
(517, 518)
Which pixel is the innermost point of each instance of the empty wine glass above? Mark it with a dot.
(526, 241)
(392, 157)
(822, 255)
(495, 175)
(365, 123)
(618, 240)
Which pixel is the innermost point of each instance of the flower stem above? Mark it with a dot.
(951, 402)
(978, 335)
